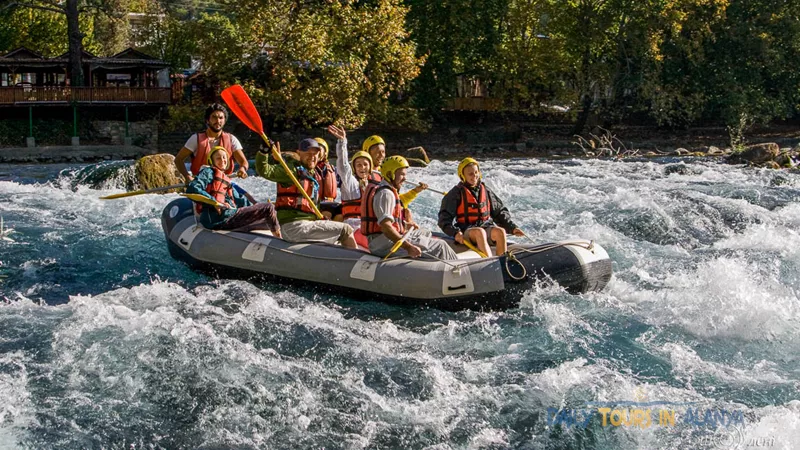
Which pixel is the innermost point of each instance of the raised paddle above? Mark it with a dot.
(241, 105)
(143, 191)
(411, 183)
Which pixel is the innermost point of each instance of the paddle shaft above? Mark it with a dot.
(288, 171)
(411, 183)
(397, 244)
(144, 191)
(473, 247)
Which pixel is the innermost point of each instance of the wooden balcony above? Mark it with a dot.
(55, 95)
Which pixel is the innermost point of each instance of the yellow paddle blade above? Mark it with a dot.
(202, 199)
(397, 245)
(474, 248)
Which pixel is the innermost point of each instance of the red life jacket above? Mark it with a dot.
(327, 188)
(352, 208)
(472, 211)
(200, 157)
(220, 188)
(369, 220)
(290, 198)
(375, 176)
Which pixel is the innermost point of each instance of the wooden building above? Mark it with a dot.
(129, 77)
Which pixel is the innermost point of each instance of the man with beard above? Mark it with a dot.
(383, 219)
(200, 144)
(295, 213)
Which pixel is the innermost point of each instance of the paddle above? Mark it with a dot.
(241, 105)
(473, 248)
(143, 191)
(241, 191)
(397, 245)
(429, 189)
(202, 199)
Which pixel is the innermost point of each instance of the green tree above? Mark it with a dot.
(72, 10)
(326, 61)
(457, 38)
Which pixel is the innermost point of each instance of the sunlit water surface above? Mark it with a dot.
(107, 342)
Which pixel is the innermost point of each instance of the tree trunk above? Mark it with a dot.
(75, 44)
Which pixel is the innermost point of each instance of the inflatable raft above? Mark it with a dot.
(470, 282)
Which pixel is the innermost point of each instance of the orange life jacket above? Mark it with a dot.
(290, 198)
(220, 188)
(369, 220)
(375, 176)
(327, 188)
(472, 211)
(352, 208)
(204, 146)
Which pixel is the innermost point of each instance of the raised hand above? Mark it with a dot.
(337, 132)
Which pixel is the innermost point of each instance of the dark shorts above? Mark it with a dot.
(487, 227)
(335, 208)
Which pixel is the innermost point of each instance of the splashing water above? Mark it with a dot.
(107, 342)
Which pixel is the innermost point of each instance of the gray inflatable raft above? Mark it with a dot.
(470, 282)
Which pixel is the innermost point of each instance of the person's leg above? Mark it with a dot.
(255, 217)
(478, 237)
(499, 237)
(437, 248)
(330, 232)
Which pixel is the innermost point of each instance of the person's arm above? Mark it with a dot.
(273, 171)
(500, 214)
(200, 182)
(343, 165)
(240, 159)
(408, 197)
(448, 210)
(180, 163)
(383, 205)
(392, 234)
(238, 156)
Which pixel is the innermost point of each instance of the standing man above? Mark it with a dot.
(383, 220)
(199, 145)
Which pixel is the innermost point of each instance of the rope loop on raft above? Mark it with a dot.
(511, 257)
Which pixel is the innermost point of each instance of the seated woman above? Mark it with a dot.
(478, 214)
(236, 213)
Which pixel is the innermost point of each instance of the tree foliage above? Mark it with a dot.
(675, 62)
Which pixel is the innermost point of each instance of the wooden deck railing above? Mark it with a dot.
(26, 95)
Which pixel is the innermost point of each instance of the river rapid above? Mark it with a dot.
(107, 342)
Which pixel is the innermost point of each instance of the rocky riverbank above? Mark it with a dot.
(67, 154)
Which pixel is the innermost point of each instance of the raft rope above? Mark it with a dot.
(510, 255)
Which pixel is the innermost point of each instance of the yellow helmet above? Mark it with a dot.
(463, 165)
(391, 164)
(361, 154)
(324, 145)
(216, 149)
(370, 141)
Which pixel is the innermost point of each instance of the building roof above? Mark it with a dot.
(128, 58)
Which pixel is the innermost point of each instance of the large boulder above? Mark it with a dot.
(156, 171)
(416, 157)
(756, 154)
